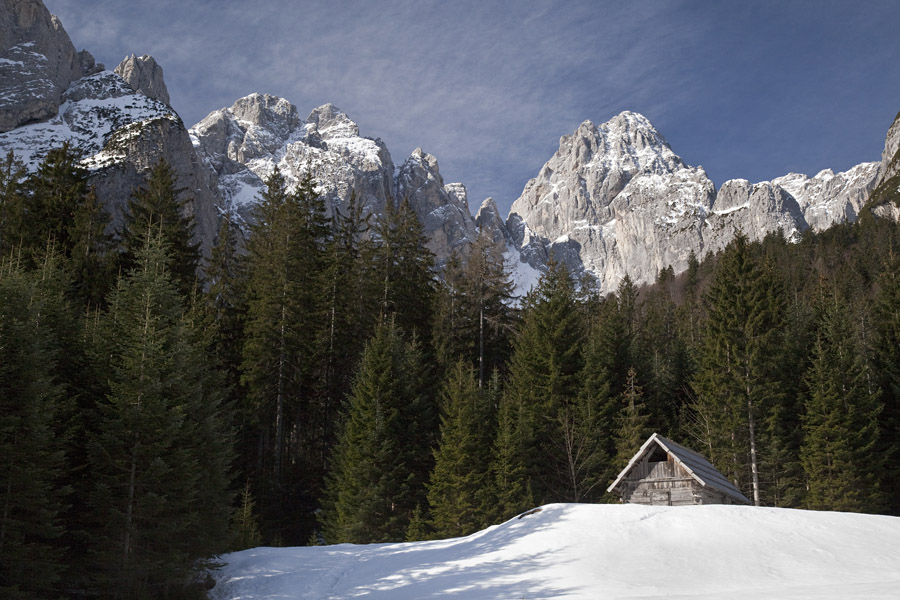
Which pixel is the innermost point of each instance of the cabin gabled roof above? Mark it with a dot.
(696, 465)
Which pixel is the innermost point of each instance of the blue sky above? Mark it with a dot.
(752, 89)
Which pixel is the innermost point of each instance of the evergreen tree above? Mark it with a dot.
(351, 309)
(473, 318)
(159, 206)
(511, 486)
(840, 422)
(12, 203)
(633, 429)
(404, 267)
(55, 191)
(282, 354)
(32, 496)
(372, 490)
(736, 382)
(544, 382)
(459, 480)
(887, 360)
(157, 458)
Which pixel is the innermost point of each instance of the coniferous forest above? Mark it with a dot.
(314, 380)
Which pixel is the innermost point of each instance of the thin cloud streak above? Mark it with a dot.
(489, 87)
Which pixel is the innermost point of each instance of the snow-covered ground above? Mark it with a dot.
(598, 552)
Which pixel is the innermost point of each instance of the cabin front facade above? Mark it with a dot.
(664, 473)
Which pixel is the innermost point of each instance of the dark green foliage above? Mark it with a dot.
(376, 483)
(457, 490)
(282, 353)
(159, 458)
(840, 452)
(887, 363)
(12, 204)
(473, 318)
(32, 496)
(404, 268)
(737, 380)
(159, 206)
(633, 422)
(54, 207)
(543, 385)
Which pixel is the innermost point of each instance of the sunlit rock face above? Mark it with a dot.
(616, 200)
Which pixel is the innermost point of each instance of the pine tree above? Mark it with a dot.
(460, 477)
(840, 422)
(159, 205)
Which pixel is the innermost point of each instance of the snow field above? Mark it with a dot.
(598, 551)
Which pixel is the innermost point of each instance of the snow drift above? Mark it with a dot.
(598, 551)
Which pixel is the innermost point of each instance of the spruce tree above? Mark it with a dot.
(459, 480)
(160, 205)
(374, 487)
(736, 382)
(12, 203)
(32, 496)
(544, 382)
(157, 461)
(282, 354)
(887, 360)
(840, 423)
(404, 267)
(633, 422)
(510, 485)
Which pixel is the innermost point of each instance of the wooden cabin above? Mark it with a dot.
(664, 473)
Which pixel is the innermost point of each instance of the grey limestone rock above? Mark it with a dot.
(615, 200)
(242, 144)
(442, 209)
(890, 157)
(144, 75)
(37, 63)
(829, 198)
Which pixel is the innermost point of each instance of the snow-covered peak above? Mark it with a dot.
(331, 123)
(93, 109)
(244, 143)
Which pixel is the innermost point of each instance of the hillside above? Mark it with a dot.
(598, 551)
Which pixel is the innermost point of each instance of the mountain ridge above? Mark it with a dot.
(613, 200)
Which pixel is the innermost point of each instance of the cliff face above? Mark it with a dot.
(616, 200)
(242, 144)
(50, 95)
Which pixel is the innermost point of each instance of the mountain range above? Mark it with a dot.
(614, 200)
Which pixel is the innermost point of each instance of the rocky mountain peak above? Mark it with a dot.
(616, 200)
(890, 157)
(275, 115)
(37, 63)
(331, 122)
(144, 75)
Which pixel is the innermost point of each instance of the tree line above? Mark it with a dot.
(316, 381)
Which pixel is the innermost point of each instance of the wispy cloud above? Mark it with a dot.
(489, 87)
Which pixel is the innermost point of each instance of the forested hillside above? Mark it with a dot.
(318, 382)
